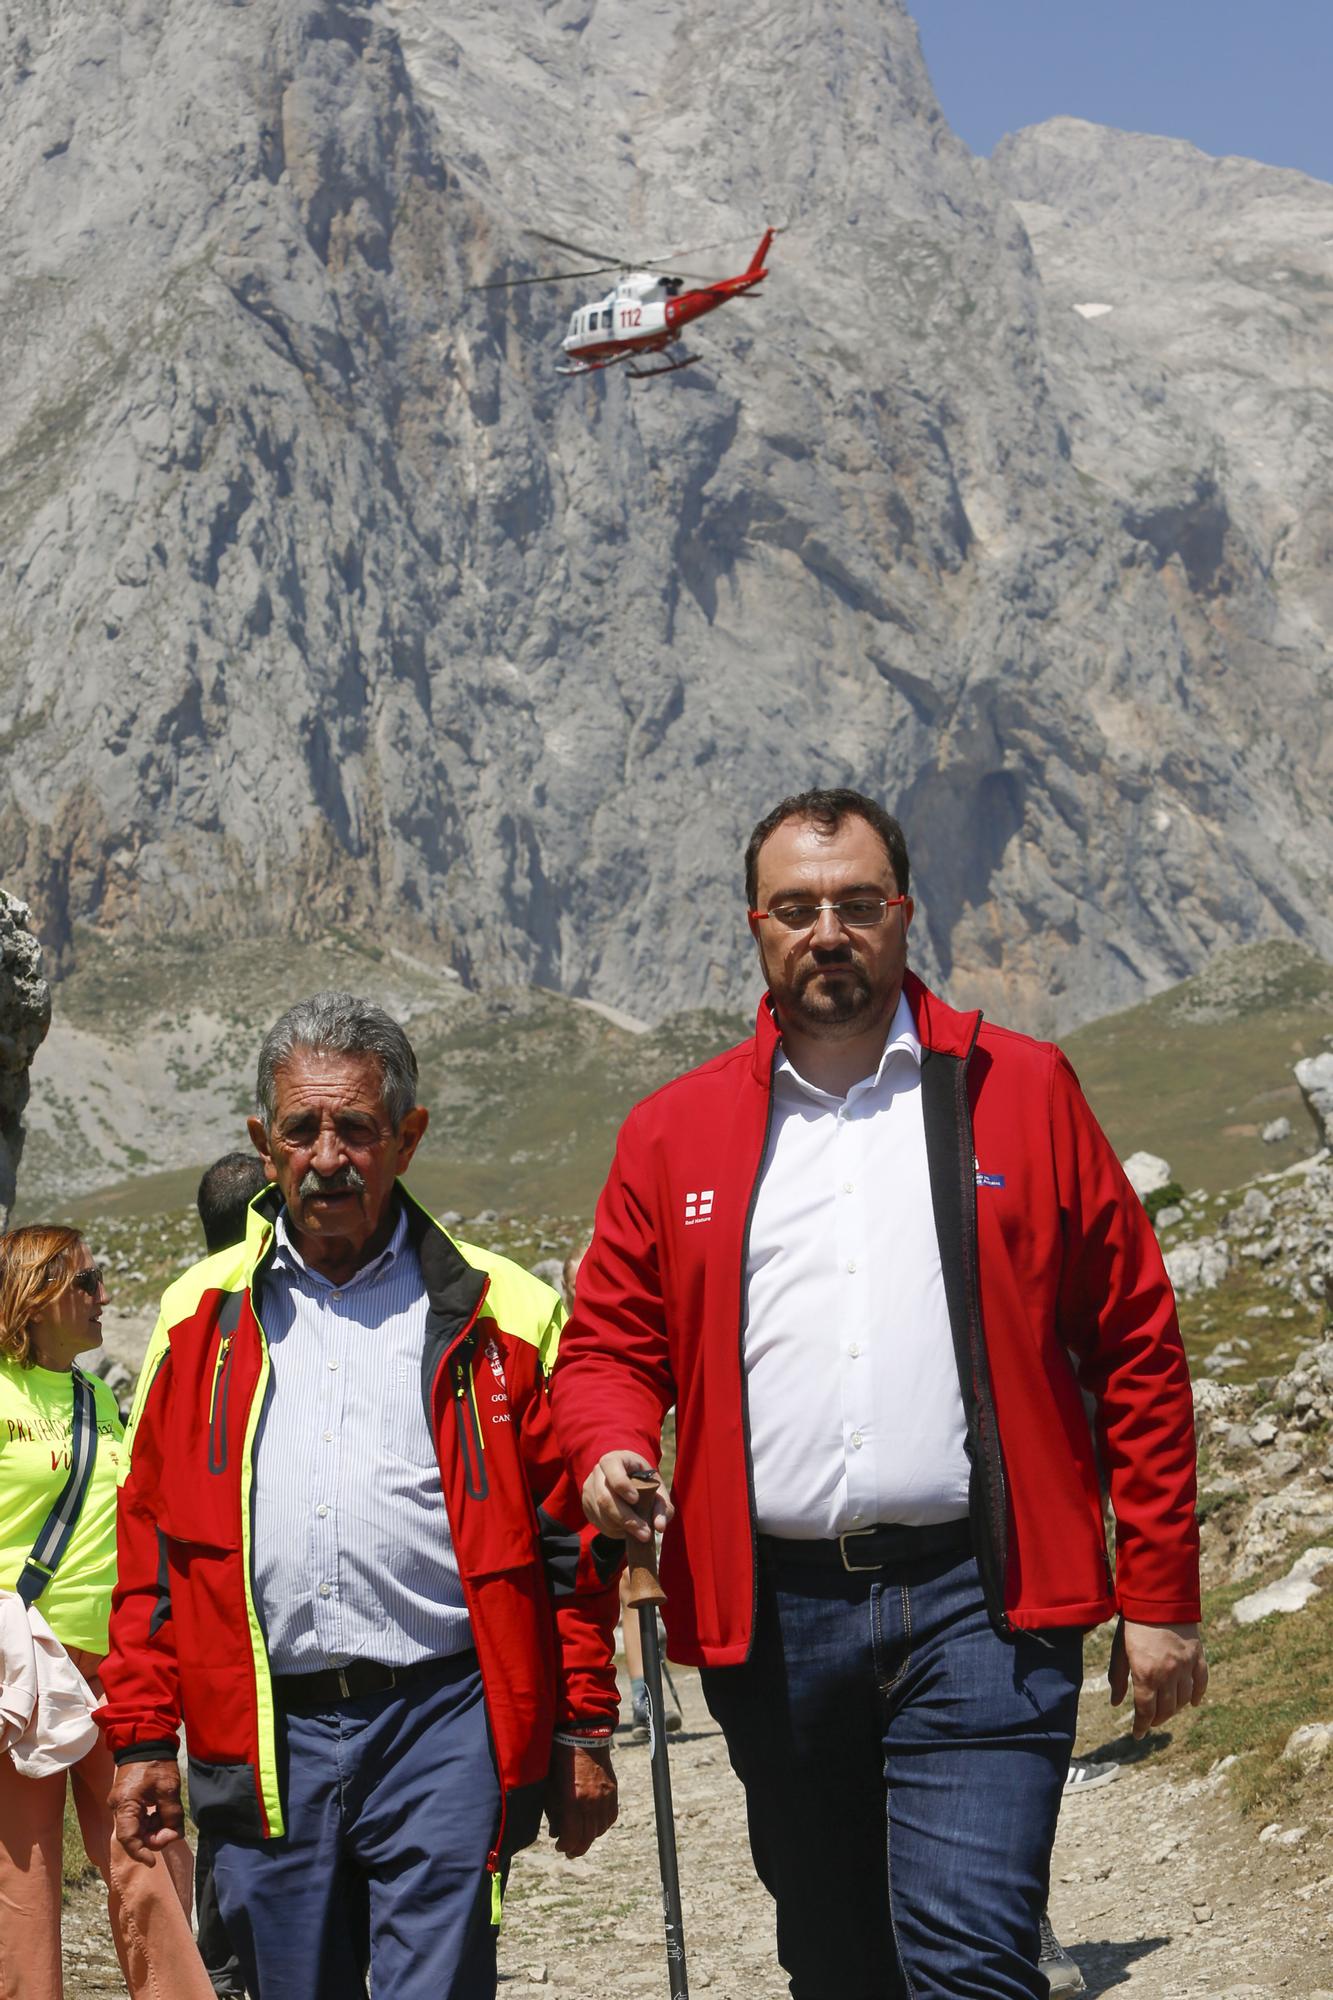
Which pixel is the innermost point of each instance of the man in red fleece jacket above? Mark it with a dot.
(875, 1255)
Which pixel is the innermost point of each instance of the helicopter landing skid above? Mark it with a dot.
(672, 368)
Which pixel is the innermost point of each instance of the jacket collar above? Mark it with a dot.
(939, 1028)
(454, 1287)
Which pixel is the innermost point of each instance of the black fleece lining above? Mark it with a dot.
(560, 1554)
(953, 1190)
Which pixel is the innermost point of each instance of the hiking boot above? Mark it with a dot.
(1060, 1972)
(1082, 1777)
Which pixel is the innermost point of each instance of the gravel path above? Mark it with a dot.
(1159, 1890)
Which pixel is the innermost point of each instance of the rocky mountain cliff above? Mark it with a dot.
(25, 1016)
(324, 601)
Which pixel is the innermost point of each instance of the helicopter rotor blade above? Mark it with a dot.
(670, 258)
(579, 249)
(544, 278)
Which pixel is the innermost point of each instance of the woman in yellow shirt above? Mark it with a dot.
(51, 1299)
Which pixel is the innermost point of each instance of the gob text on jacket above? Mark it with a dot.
(1054, 1284)
(187, 1640)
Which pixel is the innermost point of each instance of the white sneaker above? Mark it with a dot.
(1081, 1777)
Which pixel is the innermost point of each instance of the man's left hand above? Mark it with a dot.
(580, 1797)
(1166, 1665)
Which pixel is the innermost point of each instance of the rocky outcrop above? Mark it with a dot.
(362, 618)
(25, 1016)
(1314, 1076)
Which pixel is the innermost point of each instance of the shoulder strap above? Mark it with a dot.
(60, 1523)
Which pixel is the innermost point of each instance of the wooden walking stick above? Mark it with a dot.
(645, 1593)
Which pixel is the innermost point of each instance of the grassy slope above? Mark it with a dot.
(1195, 1073)
(155, 1073)
(1265, 1680)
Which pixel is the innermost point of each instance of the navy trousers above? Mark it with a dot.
(394, 1792)
(903, 1767)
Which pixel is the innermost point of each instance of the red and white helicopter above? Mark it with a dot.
(645, 313)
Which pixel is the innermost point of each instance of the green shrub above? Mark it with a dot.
(1163, 1197)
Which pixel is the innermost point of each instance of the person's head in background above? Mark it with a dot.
(225, 1193)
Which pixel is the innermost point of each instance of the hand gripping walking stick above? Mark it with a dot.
(645, 1593)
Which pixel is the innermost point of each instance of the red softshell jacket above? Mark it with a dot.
(1054, 1284)
(186, 1636)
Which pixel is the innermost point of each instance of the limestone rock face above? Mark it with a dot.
(326, 602)
(25, 1016)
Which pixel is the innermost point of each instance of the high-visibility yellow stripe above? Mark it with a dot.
(264, 1712)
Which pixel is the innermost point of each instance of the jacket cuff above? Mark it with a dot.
(1160, 1611)
(166, 1751)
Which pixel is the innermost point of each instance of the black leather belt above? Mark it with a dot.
(889, 1544)
(293, 1693)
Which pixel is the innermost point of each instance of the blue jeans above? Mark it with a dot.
(903, 1766)
(394, 1791)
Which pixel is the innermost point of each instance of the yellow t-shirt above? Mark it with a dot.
(36, 1429)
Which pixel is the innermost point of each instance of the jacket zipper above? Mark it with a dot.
(994, 1552)
(469, 1431)
(456, 1359)
(745, 1390)
(217, 1408)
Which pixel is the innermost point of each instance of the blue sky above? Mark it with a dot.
(1233, 76)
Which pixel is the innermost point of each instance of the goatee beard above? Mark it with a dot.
(833, 1007)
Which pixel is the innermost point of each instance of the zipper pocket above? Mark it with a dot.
(469, 1433)
(217, 1408)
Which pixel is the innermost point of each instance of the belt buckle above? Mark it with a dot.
(343, 1688)
(851, 1535)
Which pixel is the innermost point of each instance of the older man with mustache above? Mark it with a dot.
(351, 1559)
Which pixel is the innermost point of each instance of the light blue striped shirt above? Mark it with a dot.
(353, 1557)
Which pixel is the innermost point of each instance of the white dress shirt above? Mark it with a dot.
(353, 1555)
(856, 1416)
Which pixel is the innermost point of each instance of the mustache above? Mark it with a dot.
(819, 960)
(348, 1177)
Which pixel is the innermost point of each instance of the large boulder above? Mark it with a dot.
(1290, 1593)
(1147, 1172)
(1198, 1266)
(25, 1016)
(1314, 1074)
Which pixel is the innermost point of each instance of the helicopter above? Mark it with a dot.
(645, 312)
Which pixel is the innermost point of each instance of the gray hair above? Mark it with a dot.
(344, 1025)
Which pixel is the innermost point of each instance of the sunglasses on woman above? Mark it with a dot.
(89, 1280)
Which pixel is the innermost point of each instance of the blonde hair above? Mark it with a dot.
(37, 1267)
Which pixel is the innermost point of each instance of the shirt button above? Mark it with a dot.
(326, 1590)
(333, 1364)
(851, 1263)
(328, 1437)
(847, 1187)
(856, 1440)
(854, 1349)
(321, 1511)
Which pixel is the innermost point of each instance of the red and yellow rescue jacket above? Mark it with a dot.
(187, 1641)
(1054, 1285)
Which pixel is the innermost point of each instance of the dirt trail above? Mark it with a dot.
(1158, 1889)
